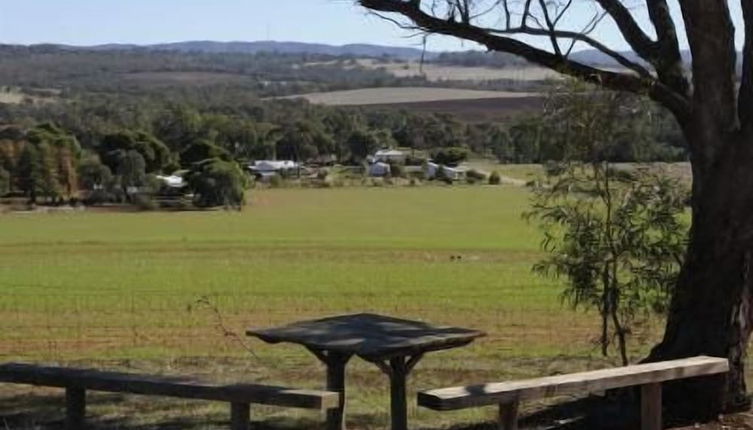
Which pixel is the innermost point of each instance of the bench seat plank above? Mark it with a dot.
(181, 387)
(454, 398)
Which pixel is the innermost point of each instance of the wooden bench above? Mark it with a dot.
(508, 395)
(240, 396)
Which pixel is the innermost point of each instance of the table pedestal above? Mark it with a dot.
(335, 363)
(398, 369)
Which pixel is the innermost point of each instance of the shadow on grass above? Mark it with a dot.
(46, 412)
(592, 413)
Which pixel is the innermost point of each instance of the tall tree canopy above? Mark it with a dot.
(712, 308)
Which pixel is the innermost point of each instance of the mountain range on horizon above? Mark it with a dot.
(588, 56)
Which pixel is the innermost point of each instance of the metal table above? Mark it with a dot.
(394, 345)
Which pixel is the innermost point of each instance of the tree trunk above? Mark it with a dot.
(712, 309)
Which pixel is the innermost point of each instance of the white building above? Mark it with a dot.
(390, 155)
(431, 169)
(172, 181)
(273, 166)
(379, 169)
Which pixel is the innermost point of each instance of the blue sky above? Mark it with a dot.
(88, 22)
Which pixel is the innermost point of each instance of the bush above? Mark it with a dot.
(144, 202)
(276, 181)
(410, 160)
(397, 170)
(449, 156)
(495, 178)
(475, 175)
(4, 182)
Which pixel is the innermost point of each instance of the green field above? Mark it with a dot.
(125, 290)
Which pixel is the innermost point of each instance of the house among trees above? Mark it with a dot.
(267, 168)
(390, 156)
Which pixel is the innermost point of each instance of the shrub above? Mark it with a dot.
(475, 175)
(449, 156)
(495, 178)
(4, 182)
(276, 181)
(144, 202)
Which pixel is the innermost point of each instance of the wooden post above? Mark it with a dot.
(398, 399)
(508, 416)
(240, 415)
(651, 414)
(75, 408)
(336, 382)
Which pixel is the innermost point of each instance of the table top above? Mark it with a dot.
(370, 336)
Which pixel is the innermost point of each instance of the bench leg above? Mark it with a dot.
(240, 415)
(508, 416)
(75, 408)
(651, 416)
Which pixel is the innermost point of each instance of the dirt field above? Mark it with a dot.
(399, 95)
(438, 72)
(478, 110)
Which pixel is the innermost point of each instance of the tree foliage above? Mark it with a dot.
(217, 182)
(617, 238)
(155, 153)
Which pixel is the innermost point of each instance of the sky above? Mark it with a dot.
(337, 22)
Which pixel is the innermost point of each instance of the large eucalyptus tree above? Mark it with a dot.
(712, 309)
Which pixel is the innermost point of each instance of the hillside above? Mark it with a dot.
(214, 47)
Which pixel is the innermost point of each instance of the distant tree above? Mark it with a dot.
(93, 174)
(303, 140)
(202, 149)
(59, 154)
(131, 171)
(361, 143)
(217, 182)
(29, 172)
(155, 153)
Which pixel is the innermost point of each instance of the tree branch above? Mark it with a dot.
(551, 26)
(677, 103)
(634, 35)
(578, 37)
(668, 58)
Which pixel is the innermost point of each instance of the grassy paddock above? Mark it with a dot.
(173, 292)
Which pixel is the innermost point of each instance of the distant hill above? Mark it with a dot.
(354, 50)
(598, 58)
